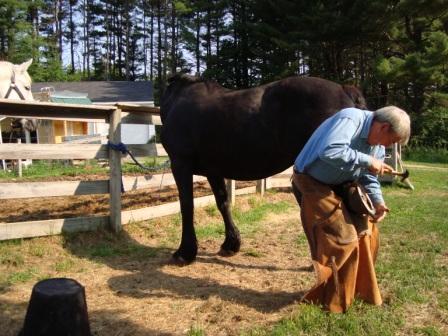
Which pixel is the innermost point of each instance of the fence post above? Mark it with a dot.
(1, 142)
(19, 162)
(115, 171)
(230, 186)
(261, 187)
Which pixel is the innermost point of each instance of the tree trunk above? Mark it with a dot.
(236, 44)
(173, 39)
(151, 47)
(128, 28)
(165, 41)
(145, 47)
(59, 18)
(198, 43)
(72, 37)
(244, 47)
(159, 42)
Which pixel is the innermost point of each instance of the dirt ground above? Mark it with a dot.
(18, 210)
(142, 294)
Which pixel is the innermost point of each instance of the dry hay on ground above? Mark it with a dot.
(142, 295)
(18, 210)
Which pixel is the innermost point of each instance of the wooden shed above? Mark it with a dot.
(58, 131)
(103, 93)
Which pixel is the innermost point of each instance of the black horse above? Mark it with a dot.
(241, 135)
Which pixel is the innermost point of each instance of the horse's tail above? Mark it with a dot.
(356, 96)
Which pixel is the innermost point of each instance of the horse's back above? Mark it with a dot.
(252, 133)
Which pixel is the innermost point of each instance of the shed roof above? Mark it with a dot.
(105, 91)
(70, 97)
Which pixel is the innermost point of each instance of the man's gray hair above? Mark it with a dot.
(398, 120)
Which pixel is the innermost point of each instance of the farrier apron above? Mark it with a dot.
(343, 247)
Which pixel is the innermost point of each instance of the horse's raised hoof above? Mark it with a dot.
(226, 253)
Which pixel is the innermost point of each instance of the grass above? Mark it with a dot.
(247, 220)
(359, 320)
(41, 169)
(196, 331)
(412, 265)
(21, 276)
(412, 270)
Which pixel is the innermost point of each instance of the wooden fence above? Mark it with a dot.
(115, 116)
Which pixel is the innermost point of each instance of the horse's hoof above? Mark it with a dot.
(178, 261)
(226, 253)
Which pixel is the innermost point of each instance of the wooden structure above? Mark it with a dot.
(115, 116)
(97, 93)
(56, 131)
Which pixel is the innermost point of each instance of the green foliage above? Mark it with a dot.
(425, 154)
(396, 51)
(431, 128)
(417, 71)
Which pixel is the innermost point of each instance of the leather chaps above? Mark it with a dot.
(343, 247)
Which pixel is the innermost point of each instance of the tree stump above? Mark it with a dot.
(57, 307)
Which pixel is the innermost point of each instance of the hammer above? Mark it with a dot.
(404, 177)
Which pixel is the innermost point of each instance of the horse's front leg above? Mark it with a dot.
(186, 253)
(232, 242)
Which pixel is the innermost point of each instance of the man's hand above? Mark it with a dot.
(378, 167)
(380, 213)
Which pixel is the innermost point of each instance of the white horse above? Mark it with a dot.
(15, 83)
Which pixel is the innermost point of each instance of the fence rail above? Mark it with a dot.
(115, 116)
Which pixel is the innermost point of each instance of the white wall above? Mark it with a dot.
(130, 133)
(136, 134)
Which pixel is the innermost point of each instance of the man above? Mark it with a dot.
(349, 146)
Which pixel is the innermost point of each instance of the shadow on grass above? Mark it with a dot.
(103, 322)
(148, 279)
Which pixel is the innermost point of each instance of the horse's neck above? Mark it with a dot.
(6, 70)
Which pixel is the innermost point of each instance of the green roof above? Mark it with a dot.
(70, 97)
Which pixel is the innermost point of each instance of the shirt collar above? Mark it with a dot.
(366, 126)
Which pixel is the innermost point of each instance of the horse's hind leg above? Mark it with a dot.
(186, 253)
(232, 242)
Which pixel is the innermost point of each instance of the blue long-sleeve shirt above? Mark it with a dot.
(338, 152)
